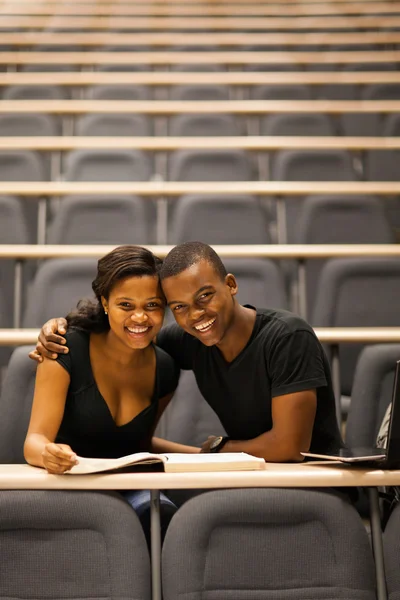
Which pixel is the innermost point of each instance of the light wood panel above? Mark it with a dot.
(274, 251)
(212, 23)
(205, 58)
(67, 143)
(348, 8)
(195, 38)
(176, 107)
(35, 189)
(239, 78)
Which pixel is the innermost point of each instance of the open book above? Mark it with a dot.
(171, 463)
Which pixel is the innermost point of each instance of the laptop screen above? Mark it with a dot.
(393, 442)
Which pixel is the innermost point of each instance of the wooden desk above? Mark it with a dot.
(348, 8)
(177, 107)
(233, 23)
(171, 78)
(253, 143)
(203, 39)
(166, 58)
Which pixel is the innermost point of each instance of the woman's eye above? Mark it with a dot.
(125, 304)
(153, 305)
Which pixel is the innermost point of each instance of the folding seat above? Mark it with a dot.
(338, 220)
(357, 292)
(382, 165)
(57, 287)
(260, 282)
(108, 165)
(199, 92)
(211, 165)
(14, 229)
(309, 165)
(266, 543)
(119, 92)
(62, 544)
(371, 393)
(220, 219)
(281, 92)
(312, 124)
(123, 68)
(118, 124)
(35, 92)
(391, 548)
(197, 67)
(24, 165)
(370, 124)
(218, 125)
(29, 124)
(100, 220)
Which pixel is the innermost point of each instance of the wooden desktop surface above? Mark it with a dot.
(274, 475)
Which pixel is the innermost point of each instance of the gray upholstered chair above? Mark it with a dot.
(338, 220)
(62, 544)
(108, 165)
(371, 393)
(57, 287)
(357, 292)
(101, 220)
(211, 165)
(391, 547)
(114, 124)
(200, 92)
(267, 543)
(219, 219)
(205, 125)
(119, 92)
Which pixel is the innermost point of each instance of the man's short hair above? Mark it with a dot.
(185, 255)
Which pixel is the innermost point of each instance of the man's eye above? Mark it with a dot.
(204, 296)
(177, 307)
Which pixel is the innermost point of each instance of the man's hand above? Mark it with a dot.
(58, 458)
(205, 447)
(50, 344)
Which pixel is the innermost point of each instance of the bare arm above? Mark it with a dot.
(293, 420)
(51, 388)
(50, 344)
(160, 445)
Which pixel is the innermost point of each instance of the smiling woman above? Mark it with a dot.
(102, 397)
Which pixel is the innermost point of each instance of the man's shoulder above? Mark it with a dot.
(279, 322)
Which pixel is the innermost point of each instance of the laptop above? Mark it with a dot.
(388, 457)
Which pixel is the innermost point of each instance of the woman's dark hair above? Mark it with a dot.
(124, 261)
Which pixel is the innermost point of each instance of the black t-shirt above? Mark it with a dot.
(283, 356)
(87, 425)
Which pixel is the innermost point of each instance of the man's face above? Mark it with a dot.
(201, 302)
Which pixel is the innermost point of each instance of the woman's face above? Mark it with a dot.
(135, 310)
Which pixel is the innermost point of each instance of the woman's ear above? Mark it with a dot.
(232, 284)
(104, 304)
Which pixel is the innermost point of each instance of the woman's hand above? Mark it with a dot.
(50, 344)
(58, 458)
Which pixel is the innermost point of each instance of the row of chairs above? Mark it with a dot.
(272, 543)
(383, 91)
(120, 124)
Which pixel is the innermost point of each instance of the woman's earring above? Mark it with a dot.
(105, 312)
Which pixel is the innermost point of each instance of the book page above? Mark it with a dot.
(97, 465)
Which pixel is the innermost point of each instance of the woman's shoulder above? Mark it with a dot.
(77, 342)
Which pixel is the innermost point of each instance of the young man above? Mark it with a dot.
(263, 371)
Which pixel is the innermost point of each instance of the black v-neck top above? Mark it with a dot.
(87, 425)
(282, 356)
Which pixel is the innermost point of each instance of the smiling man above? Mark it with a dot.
(263, 371)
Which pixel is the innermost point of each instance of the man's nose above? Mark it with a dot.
(196, 312)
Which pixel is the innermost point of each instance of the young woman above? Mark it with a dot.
(104, 397)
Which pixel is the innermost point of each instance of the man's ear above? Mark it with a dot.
(231, 282)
